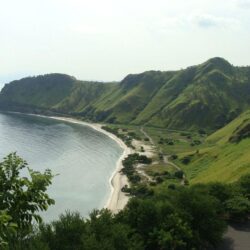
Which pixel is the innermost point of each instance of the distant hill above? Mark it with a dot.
(206, 96)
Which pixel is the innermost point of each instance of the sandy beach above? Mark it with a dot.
(117, 199)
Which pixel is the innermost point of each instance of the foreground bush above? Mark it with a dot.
(188, 219)
(21, 200)
(179, 218)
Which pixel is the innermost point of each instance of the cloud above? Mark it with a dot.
(245, 4)
(201, 20)
(92, 28)
(210, 21)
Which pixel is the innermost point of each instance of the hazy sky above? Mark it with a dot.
(107, 39)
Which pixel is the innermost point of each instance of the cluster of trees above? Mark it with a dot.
(159, 177)
(129, 164)
(168, 141)
(171, 142)
(195, 143)
(144, 224)
(126, 137)
(183, 218)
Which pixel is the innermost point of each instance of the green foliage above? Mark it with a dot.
(179, 174)
(141, 190)
(71, 231)
(172, 186)
(234, 198)
(174, 157)
(126, 137)
(241, 132)
(187, 219)
(186, 160)
(6, 228)
(202, 211)
(129, 166)
(21, 198)
(220, 191)
(244, 185)
(176, 218)
(62, 234)
(204, 97)
(218, 158)
(175, 233)
(238, 208)
(168, 141)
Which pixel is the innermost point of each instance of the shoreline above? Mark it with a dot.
(117, 199)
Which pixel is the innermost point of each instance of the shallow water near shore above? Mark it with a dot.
(84, 159)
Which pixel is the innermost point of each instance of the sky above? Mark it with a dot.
(105, 40)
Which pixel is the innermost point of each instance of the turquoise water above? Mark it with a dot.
(83, 158)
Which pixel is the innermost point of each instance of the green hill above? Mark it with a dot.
(226, 158)
(205, 96)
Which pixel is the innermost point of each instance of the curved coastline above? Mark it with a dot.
(117, 199)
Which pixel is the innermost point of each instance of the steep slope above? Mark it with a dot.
(227, 156)
(205, 96)
(208, 96)
(41, 91)
(54, 92)
(132, 95)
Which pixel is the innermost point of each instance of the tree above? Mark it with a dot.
(21, 198)
(179, 174)
(104, 232)
(174, 233)
(62, 234)
(6, 227)
(203, 214)
(244, 184)
(238, 208)
(186, 160)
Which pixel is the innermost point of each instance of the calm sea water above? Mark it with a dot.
(83, 158)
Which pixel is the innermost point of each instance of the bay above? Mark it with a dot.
(83, 158)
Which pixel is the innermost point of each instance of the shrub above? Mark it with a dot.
(174, 157)
(186, 160)
(179, 174)
(172, 186)
(238, 208)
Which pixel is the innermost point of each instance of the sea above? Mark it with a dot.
(81, 158)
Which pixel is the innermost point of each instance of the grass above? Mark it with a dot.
(222, 160)
(159, 169)
(225, 163)
(222, 135)
(181, 140)
(215, 159)
(203, 96)
(126, 129)
(159, 189)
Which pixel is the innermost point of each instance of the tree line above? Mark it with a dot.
(187, 217)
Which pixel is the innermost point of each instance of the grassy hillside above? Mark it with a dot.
(205, 96)
(226, 157)
(42, 91)
(208, 96)
(56, 92)
(132, 96)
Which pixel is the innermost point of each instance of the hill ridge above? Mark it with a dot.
(207, 96)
